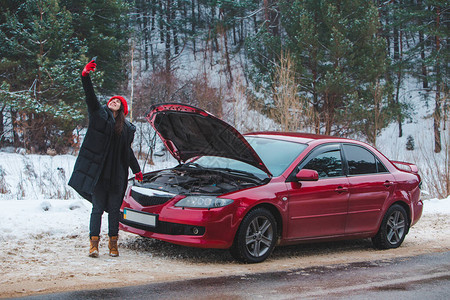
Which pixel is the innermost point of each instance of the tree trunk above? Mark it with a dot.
(314, 68)
(437, 109)
(132, 81)
(271, 16)
(377, 95)
(422, 61)
(241, 32)
(437, 121)
(214, 41)
(193, 24)
(152, 55)
(145, 33)
(2, 127)
(161, 23)
(398, 54)
(15, 140)
(227, 57)
(329, 112)
(167, 39)
(223, 30)
(174, 29)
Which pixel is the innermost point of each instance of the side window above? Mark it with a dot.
(360, 160)
(327, 164)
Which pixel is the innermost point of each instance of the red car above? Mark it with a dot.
(250, 193)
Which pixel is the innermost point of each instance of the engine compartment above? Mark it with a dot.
(190, 181)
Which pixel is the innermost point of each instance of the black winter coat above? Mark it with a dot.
(93, 151)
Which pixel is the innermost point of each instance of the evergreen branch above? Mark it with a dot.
(253, 13)
(20, 45)
(40, 42)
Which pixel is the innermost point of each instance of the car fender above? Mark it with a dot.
(272, 202)
(399, 197)
(276, 210)
(262, 195)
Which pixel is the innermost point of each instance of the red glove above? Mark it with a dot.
(139, 176)
(88, 68)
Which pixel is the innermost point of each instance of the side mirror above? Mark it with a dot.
(307, 175)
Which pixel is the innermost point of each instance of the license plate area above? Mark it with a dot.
(140, 217)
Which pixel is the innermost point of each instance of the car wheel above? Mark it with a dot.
(393, 229)
(256, 237)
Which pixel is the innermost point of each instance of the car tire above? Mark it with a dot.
(393, 229)
(256, 237)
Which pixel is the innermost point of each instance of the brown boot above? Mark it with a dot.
(93, 250)
(113, 248)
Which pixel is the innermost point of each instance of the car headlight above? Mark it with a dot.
(203, 202)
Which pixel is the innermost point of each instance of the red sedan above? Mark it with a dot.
(250, 193)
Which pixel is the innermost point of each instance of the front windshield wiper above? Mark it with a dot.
(247, 174)
(193, 164)
(228, 170)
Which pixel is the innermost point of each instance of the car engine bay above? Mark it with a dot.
(190, 181)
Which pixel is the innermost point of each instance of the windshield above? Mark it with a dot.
(277, 155)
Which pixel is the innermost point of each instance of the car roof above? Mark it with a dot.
(298, 137)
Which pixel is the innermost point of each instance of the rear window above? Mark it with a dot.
(362, 161)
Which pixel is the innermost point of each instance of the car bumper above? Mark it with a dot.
(417, 209)
(203, 228)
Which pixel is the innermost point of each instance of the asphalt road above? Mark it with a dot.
(419, 277)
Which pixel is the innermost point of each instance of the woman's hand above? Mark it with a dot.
(139, 176)
(88, 68)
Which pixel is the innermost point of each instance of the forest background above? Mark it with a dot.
(331, 67)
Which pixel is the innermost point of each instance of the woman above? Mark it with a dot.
(101, 170)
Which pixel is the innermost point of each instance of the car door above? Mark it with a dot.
(319, 208)
(370, 186)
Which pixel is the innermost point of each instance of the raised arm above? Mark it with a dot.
(91, 98)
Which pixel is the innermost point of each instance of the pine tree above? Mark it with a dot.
(410, 143)
(40, 64)
(47, 43)
(418, 35)
(340, 62)
(103, 29)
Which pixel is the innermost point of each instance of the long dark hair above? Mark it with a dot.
(120, 119)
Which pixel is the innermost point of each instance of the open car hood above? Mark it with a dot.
(187, 132)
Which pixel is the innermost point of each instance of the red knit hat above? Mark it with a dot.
(124, 103)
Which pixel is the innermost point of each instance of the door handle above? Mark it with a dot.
(388, 183)
(341, 189)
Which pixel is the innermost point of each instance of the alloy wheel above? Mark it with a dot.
(259, 236)
(393, 229)
(396, 227)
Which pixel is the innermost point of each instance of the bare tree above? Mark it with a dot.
(290, 110)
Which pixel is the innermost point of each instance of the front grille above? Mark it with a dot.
(147, 200)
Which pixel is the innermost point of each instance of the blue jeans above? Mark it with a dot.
(105, 200)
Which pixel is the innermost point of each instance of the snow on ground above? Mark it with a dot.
(44, 246)
(44, 238)
(25, 219)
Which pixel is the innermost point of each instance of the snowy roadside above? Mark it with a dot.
(43, 246)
